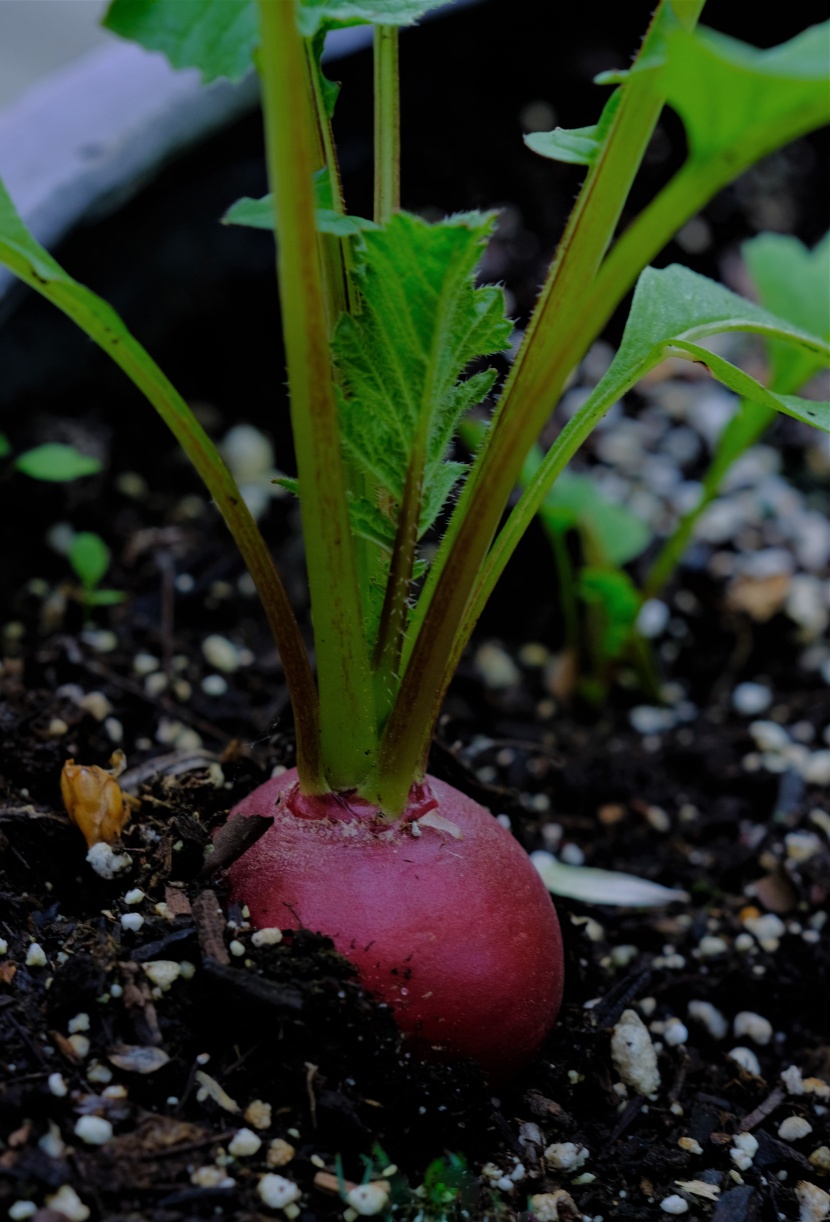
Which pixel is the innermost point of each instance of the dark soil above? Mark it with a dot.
(700, 802)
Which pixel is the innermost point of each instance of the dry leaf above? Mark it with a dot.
(93, 799)
(759, 597)
(212, 1088)
(136, 1058)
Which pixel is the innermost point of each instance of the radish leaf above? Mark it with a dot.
(213, 35)
(420, 323)
(749, 93)
(312, 14)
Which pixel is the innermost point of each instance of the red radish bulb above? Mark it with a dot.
(442, 913)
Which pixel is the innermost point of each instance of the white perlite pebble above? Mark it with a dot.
(633, 1054)
(134, 896)
(767, 930)
(21, 1210)
(793, 1128)
(566, 1155)
(35, 955)
(744, 1149)
(675, 1032)
(67, 1202)
(747, 1060)
(277, 1192)
(814, 1202)
(258, 1113)
(4, 946)
(79, 1023)
(105, 862)
(758, 1028)
(163, 972)
(56, 1085)
(81, 1045)
(94, 1130)
(244, 1143)
(751, 699)
(220, 653)
(653, 618)
(368, 1199)
(267, 937)
(132, 921)
(674, 1205)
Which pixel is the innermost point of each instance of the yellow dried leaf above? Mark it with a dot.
(93, 801)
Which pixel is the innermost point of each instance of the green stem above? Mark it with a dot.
(94, 317)
(552, 347)
(755, 419)
(387, 124)
(347, 722)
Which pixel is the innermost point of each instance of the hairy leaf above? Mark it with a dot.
(575, 145)
(748, 93)
(259, 214)
(421, 322)
(216, 36)
(674, 309)
(56, 463)
(312, 14)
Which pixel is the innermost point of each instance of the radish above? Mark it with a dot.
(385, 330)
(441, 912)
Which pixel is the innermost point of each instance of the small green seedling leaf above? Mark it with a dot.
(749, 94)
(216, 36)
(5, 446)
(794, 283)
(56, 463)
(312, 14)
(575, 145)
(90, 558)
(616, 596)
(615, 534)
(259, 214)
(104, 598)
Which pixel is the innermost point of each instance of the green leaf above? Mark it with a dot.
(613, 534)
(729, 93)
(575, 145)
(56, 463)
(421, 322)
(104, 598)
(312, 14)
(615, 594)
(216, 36)
(5, 446)
(89, 557)
(792, 282)
(675, 308)
(259, 213)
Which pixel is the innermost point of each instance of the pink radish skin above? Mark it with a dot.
(457, 935)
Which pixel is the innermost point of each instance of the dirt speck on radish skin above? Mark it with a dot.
(458, 936)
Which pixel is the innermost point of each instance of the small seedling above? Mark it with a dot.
(437, 906)
(53, 463)
(89, 557)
